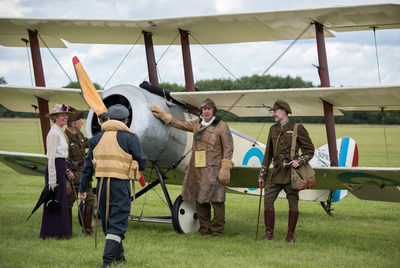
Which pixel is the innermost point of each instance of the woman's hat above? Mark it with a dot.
(60, 109)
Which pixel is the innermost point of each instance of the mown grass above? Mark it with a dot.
(360, 234)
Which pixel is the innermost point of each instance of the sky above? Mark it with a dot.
(351, 56)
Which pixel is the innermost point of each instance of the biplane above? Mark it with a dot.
(168, 148)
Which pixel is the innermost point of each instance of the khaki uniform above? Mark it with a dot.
(77, 143)
(277, 152)
(201, 181)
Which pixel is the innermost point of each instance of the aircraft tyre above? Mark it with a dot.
(184, 216)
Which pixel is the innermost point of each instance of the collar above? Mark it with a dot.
(206, 124)
(114, 125)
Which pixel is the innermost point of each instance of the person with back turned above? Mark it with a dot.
(277, 151)
(77, 143)
(209, 166)
(115, 155)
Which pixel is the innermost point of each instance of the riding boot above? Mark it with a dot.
(120, 255)
(87, 220)
(293, 215)
(70, 216)
(269, 220)
(110, 254)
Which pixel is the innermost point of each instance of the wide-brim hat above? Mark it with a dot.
(59, 109)
(280, 104)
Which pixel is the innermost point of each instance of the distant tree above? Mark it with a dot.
(75, 84)
(172, 87)
(2, 81)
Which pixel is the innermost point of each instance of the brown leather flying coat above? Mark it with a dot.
(77, 143)
(279, 152)
(202, 183)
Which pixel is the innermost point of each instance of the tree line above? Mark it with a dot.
(253, 82)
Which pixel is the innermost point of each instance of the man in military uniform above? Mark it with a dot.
(114, 155)
(77, 143)
(209, 166)
(277, 151)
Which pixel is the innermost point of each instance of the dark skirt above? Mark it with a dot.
(56, 224)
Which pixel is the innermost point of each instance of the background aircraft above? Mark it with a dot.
(168, 148)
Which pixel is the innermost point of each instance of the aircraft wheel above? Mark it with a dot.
(184, 216)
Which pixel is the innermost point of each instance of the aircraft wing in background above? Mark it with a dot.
(23, 99)
(303, 101)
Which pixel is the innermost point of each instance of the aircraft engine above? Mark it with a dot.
(160, 142)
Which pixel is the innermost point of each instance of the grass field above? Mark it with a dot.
(360, 234)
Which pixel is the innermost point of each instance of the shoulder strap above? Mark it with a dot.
(294, 139)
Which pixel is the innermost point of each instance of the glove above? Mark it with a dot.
(159, 113)
(224, 175)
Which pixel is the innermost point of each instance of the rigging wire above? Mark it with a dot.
(287, 49)
(34, 106)
(29, 60)
(377, 57)
(382, 108)
(215, 58)
(384, 134)
(165, 51)
(59, 64)
(265, 122)
(119, 65)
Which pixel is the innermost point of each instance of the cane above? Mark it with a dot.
(259, 208)
(79, 211)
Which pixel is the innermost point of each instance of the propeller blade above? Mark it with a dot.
(89, 92)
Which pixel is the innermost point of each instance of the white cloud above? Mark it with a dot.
(13, 8)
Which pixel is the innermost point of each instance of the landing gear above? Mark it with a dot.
(327, 206)
(184, 216)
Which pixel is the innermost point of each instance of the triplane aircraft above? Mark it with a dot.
(168, 148)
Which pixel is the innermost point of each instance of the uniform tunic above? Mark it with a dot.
(278, 152)
(77, 143)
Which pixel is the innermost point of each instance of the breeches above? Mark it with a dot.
(272, 191)
(119, 206)
(217, 224)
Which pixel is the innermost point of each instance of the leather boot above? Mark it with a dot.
(120, 256)
(111, 249)
(293, 215)
(269, 220)
(70, 216)
(87, 220)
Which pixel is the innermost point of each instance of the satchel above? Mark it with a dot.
(302, 177)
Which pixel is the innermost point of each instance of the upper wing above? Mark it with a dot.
(23, 99)
(215, 29)
(303, 101)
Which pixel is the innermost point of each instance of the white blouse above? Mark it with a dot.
(56, 147)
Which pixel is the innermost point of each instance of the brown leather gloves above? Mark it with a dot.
(224, 175)
(159, 113)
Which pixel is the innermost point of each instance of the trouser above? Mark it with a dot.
(89, 201)
(272, 191)
(119, 206)
(217, 224)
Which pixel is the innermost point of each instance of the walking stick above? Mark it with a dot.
(79, 211)
(259, 208)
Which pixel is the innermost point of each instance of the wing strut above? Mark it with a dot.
(328, 108)
(40, 82)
